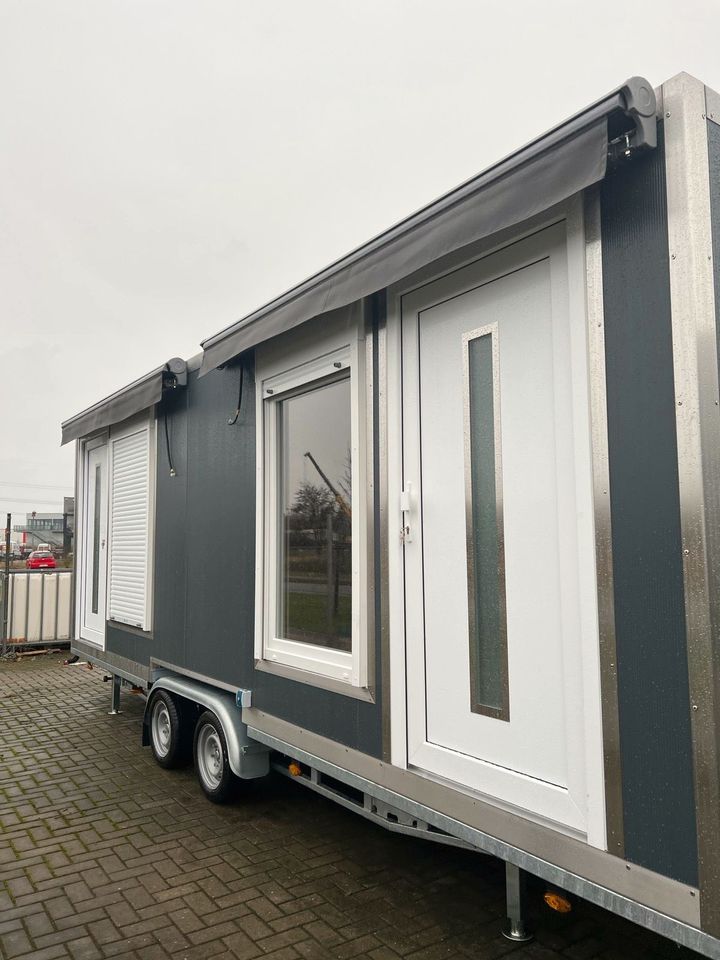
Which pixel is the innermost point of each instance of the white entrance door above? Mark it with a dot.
(94, 552)
(501, 655)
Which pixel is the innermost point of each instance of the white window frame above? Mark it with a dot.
(146, 422)
(281, 369)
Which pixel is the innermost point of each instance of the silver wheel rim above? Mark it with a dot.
(210, 756)
(160, 729)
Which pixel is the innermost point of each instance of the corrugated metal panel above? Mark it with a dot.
(129, 528)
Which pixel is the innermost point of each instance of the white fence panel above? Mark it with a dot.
(39, 606)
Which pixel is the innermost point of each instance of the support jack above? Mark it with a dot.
(115, 699)
(516, 928)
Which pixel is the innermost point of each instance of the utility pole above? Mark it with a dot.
(65, 536)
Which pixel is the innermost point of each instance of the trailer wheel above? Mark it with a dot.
(167, 731)
(211, 758)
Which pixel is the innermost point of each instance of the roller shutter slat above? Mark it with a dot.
(129, 529)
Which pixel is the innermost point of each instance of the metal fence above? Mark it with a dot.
(39, 606)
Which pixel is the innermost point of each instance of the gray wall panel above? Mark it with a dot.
(170, 571)
(204, 610)
(654, 708)
(220, 558)
(220, 527)
(127, 642)
(167, 639)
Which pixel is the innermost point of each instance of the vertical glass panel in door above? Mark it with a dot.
(315, 522)
(486, 574)
(96, 540)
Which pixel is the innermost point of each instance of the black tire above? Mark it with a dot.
(210, 757)
(168, 735)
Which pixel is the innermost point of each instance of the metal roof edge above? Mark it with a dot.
(635, 97)
(114, 396)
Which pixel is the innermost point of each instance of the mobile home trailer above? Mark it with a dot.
(471, 476)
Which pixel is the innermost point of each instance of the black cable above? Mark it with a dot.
(233, 420)
(167, 445)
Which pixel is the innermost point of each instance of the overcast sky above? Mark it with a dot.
(166, 166)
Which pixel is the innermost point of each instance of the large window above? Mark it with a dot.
(315, 504)
(312, 544)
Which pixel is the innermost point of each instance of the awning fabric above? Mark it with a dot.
(138, 396)
(545, 172)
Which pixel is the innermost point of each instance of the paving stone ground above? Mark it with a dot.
(105, 855)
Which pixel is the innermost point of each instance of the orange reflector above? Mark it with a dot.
(557, 902)
(295, 769)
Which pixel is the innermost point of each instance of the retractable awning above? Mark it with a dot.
(546, 171)
(136, 397)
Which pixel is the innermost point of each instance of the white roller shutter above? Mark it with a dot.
(129, 528)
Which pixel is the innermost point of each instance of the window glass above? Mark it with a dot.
(315, 522)
(96, 541)
(486, 587)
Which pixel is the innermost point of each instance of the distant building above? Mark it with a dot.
(55, 529)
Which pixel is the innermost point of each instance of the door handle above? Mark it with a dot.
(407, 500)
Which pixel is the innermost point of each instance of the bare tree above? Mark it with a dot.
(310, 509)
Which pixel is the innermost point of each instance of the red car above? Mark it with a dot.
(40, 560)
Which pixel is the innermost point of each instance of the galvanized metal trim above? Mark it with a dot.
(381, 445)
(613, 898)
(366, 417)
(698, 432)
(312, 783)
(712, 105)
(501, 712)
(603, 528)
(410, 789)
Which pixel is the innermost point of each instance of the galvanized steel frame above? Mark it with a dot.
(697, 410)
(380, 452)
(603, 527)
(381, 781)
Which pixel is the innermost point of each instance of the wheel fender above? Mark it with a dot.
(247, 758)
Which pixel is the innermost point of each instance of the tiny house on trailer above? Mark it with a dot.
(439, 528)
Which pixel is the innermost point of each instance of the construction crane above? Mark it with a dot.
(339, 498)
